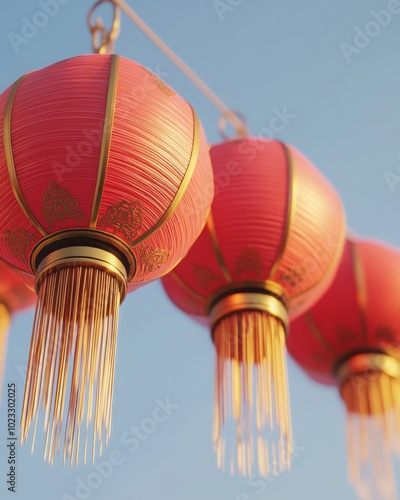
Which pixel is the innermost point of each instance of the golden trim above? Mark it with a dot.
(361, 363)
(292, 188)
(247, 302)
(317, 334)
(217, 251)
(10, 160)
(185, 286)
(236, 287)
(89, 235)
(171, 268)
(361, 289)
(184, 183)
(15, 268)
(106, 139)
(334, 262)
(85, 256)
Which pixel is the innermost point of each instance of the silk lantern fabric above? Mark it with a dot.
(102, 170)
(350, 338)
(277, 228)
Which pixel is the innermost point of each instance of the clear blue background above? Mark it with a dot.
(262, 55)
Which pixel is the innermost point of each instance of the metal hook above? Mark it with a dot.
(237, 121)
(103, 39)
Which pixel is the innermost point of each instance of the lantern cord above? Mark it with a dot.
(251, 392)
(106, 45)
(5, 320)
(73, 342)
(351, 234)
(373, 433)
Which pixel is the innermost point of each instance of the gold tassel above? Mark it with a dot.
(73, 344)
(5, 320)
(373, 425)
(81, 278)
(251, 390)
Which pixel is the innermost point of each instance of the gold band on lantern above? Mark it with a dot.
(15, 268)
(292, 183)
(183, 186)
(249, 301)
(10, 160)
(317, 334)
(83, 256)
(251, 389)
(243, 286)
(361, 287)
(361, 363)
(84, 247)
(106, 139)
(333, 264)
(217, 250)
(185, 286)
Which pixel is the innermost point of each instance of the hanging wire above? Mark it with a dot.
(351, 234)
(106, 45)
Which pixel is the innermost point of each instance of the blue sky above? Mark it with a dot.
(261, 58)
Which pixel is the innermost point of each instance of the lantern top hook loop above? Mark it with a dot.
(102, 38)
(103, 43)
(237, 121)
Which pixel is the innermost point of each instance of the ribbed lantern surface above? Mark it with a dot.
(351, 338)
(102, 168)
(270, 248)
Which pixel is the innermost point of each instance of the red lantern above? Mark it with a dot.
(270, 248)
(16, 294)
(102, 168)
(351, 338)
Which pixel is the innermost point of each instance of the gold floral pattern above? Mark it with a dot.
(151, 259)
(321, 358)
(249, 261)
(19, 242)
(386, 335)
(192, 304)
(125, 217)
(205, 276)
(165, 89)
(294, 275)
(345, 337)
(58, 204)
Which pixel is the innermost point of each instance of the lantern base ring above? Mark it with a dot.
(361, 363)
(84, 247)
(83, 256)
(245, 301)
